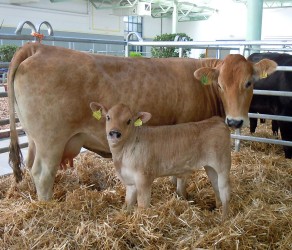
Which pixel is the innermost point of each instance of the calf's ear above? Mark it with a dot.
(98, 110)
(206, 75)
(263, 68)
(142, 117)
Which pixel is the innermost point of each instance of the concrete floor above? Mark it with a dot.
(4, 166)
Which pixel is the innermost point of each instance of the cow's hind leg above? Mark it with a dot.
(44, 170)
(30, 155)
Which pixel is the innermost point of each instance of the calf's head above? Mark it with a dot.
(234, 79)
(120, 121)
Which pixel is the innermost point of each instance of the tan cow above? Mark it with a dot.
(141, 154)
(51, 88)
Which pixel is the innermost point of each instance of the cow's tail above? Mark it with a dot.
(15, 155)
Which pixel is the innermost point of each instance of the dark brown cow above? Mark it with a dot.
(51, 88)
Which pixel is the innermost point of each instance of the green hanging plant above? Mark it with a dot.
(169, 51)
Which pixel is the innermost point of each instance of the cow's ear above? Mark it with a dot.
(98, 110)
(263, 68)
(207, 75)
(141, 117)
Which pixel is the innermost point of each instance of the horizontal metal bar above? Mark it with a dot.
(272, 93)
(284, 68)
(3, 94)
(7, 121)
(63, 39)
(259, 139)
(6, 149)
(4, 64)
(271, 117)
(210, 43)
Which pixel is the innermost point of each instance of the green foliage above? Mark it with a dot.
(7, 52)
(135, 54)
(202, 55)
(169, 51)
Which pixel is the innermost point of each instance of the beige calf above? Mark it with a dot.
(141, 154)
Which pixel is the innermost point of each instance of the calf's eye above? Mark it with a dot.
(128, 122)
(108, 118)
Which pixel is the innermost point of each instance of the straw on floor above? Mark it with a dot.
(86, 212)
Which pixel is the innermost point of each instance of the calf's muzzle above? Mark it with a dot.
(114, 134)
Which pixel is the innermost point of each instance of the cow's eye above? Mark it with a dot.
(128, 122)
(248, 84)
(219, 86)
(108, 118)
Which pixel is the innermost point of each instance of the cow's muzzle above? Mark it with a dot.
(234, 123)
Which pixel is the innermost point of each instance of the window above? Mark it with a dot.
(133, 23)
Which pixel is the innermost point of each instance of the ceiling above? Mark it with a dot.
(271, 3)
(187, 10)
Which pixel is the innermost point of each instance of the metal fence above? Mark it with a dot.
(245, 48)
(218, 49)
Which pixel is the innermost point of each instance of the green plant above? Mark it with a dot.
(7, 52)
(202, 55)
(135, 54)
(169, 51)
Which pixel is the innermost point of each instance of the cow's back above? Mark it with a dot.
(54, 87)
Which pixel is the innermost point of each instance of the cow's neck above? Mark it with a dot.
(213, 100)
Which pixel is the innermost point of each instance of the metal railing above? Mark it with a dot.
(242, 47)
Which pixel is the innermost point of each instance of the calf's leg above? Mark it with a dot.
(224, 190)
(131, 196)
(143, 184)
(181, 186)
(213, 177)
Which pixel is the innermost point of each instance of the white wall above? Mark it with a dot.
(155, 26)
(277, 24)
(76, 16)
(228, 24)
(80, 16)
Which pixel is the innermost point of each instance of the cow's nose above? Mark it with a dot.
(115, 134)
(234, 123)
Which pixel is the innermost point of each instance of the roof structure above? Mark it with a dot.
(268, 4)
(187, 10)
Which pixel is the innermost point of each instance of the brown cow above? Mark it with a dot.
(51, 88)
(141, 154)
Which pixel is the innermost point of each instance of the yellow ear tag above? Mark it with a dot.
(138, 122)
(97, 114)
(264, 75)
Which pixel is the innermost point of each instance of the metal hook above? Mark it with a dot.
(49, 28)
(140, 39)
(20, 27)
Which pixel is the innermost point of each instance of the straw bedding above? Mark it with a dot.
(86, 212)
